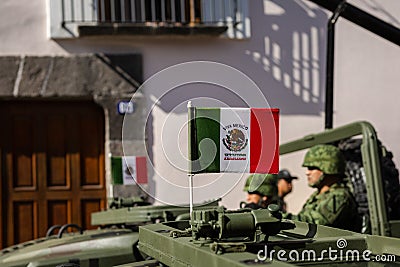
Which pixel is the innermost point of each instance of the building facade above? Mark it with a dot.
(81, 81)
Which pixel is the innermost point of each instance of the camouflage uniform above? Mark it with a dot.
(335, 207)
(263, 185)
(281, 203)
(329, 159)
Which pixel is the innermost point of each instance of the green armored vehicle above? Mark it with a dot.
(218, 237)
(259, 237)
(114, 242)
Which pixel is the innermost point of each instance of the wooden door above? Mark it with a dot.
(52, 166)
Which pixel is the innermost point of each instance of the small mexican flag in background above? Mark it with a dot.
(129, 170)
(246, 140)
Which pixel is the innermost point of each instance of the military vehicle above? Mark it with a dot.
(218, 237)
(247, 237)
(114, 242)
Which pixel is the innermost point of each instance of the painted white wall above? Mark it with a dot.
(285, 57)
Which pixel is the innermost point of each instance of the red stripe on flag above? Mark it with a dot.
(141, 170)
(264, 140)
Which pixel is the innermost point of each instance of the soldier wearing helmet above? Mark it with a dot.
(261, 190)
(332, 204)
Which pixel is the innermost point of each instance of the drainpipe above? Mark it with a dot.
(330, 64)
(192, 13)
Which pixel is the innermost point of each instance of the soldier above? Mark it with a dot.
(261, 191)
(332, 204)
(284, 187)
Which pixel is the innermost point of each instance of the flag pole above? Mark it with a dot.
(190, 142)
(191, 194)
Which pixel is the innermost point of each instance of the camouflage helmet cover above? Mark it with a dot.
(264, 184)
(328, 158)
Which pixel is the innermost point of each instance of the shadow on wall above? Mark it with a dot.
(289, 46)
(285, 56)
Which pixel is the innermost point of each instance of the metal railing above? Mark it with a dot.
(161, 12)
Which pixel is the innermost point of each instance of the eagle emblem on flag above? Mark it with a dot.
(235, 141)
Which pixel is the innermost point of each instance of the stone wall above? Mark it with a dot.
(104, 79)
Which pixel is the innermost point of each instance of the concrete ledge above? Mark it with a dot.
(144, 29)
(72, 76)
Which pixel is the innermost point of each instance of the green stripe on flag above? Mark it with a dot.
(208, 126)
(116, 170)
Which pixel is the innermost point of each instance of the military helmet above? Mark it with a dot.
(247, 184)
(327, 158)
(263, 184)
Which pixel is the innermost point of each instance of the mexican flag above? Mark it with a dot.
(129, 170)
(244, 140)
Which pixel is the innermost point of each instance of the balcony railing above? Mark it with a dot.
(226, 15)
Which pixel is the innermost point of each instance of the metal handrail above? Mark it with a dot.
(161, 12)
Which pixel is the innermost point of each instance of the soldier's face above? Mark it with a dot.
(253, 198)
(284, 187)
(313, 175)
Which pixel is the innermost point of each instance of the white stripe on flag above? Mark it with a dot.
(234, 140)
(129, 170)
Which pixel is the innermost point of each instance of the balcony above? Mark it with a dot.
(81, 18)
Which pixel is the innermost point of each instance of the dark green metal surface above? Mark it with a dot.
(136, 215)
(218, 237)
(304, 245)
(113, 245)
(106, 247)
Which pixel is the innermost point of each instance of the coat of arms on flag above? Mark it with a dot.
(129, 170)
(234, 140)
